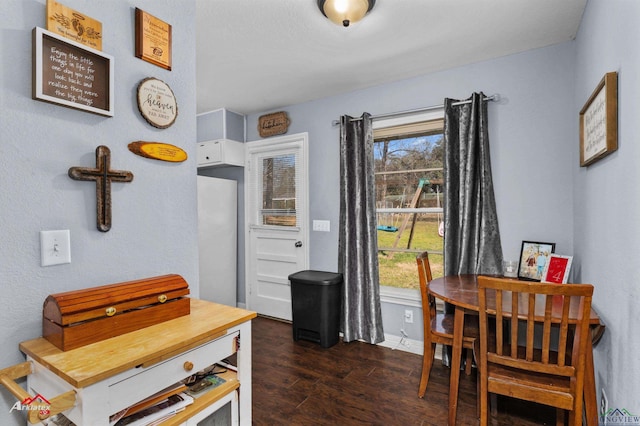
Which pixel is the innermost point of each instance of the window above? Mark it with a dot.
(408, 160)
(279, 190)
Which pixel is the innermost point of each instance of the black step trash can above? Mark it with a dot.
(316, 303)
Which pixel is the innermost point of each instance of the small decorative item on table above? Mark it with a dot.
(510, 268)
(557, 269)
(533, 258)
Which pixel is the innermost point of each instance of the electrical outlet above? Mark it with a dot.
(408, 316)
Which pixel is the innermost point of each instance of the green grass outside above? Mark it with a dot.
(399, 269)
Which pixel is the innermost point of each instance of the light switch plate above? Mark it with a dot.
(55, 247)
(322, 225)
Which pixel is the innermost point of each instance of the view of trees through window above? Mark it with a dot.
(279, 190)
(409, 175)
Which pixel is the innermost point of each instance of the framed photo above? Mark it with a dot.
(534, 256)
(599, 121)
(153, 40)
(71, 74)
(557, 269)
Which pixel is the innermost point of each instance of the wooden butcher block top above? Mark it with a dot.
(97, 361)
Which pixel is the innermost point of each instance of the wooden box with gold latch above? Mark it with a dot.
(81, 317)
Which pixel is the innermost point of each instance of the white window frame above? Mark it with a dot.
(394, 295)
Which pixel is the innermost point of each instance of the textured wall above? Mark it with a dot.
(154, 217)
(532, 134)
(530, 131)
(606, 203)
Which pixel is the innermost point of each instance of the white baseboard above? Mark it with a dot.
(400, 344)
(408, 345)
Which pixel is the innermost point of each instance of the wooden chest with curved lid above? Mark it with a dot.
(81, 317)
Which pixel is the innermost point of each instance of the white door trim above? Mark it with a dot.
(275, 144)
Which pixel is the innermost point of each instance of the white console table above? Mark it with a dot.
(112, 374)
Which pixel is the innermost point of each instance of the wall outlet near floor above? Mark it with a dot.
(408, 316)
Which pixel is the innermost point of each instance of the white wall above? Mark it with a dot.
(532, 136)
(606, 201)
(154, 217)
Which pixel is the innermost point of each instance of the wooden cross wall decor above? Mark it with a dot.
(103, 176)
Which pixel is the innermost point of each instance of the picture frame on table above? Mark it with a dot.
(599, 121)
(557, 269)
(534, 256)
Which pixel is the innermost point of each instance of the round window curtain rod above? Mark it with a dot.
(493, 98)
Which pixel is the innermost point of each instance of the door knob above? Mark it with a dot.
(298, 243)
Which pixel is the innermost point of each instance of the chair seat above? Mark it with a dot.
(443, 324)
(531, 386)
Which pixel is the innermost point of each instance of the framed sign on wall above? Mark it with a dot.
(70, 74)
(153, 39)
(157, 103)
(599, 121)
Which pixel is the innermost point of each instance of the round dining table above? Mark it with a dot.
(461, 291)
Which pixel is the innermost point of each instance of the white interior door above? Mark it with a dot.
(277, 221)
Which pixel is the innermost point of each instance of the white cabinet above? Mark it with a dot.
(221, 152)
(112, 374)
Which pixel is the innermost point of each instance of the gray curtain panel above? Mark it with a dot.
(358, 243)
(471, 237)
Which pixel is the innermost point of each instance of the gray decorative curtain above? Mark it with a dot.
(472, 237)
(358, 243)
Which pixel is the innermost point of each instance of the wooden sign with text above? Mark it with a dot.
(74, 25)
(67, 73)
(153, 39)
(273, 124)
(158, 151)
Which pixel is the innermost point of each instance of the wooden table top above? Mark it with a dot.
(462, 290)
(92, 363)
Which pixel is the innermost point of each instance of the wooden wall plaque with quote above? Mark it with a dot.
(70, 74)
(153, 39)
(276, 123)
(74, 25)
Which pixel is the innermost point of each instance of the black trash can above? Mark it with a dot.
(316, 303)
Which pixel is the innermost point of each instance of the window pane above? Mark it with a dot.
(279, 190)
(409, 174)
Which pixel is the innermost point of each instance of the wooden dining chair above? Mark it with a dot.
(529, 368)
(438, 327)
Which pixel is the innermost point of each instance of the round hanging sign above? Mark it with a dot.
(157, 103)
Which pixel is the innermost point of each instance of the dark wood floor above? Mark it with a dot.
(301, 383)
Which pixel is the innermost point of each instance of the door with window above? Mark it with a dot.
(277, 221)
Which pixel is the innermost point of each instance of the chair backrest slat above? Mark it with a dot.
(515, 297)
(546, 329)
(499, 322)
(545, 308)
(428, 301)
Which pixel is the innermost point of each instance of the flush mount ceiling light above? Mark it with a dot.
(345, 12)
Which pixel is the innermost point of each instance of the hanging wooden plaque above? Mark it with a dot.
(158, 151)
(157, 103)
(273, 124)
(74, 25)
(153, 39)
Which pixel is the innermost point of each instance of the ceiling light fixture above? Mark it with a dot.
(345, 12)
